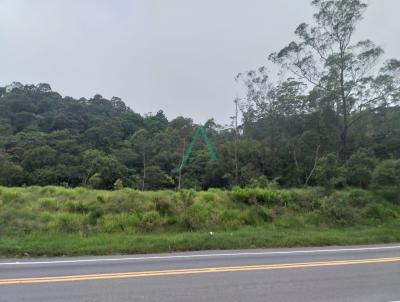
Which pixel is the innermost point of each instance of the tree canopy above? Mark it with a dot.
(332, 119)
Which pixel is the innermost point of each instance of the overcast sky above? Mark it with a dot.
(180, 56)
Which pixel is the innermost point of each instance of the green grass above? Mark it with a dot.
(54, 221)
(39, 244)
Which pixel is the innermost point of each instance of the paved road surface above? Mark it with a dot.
(357, 273)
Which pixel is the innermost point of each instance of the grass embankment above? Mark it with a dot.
(39, 221)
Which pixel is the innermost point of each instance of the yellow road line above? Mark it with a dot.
(195, 271)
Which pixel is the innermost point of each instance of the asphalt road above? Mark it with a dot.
(357, 273)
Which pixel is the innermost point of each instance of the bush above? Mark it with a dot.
(48, 204)
(379, 212)
(124, 201)
(260, 196)
(67, 223)
(200, 216)
(187, 196)
(14, 220)
(163, 205)
(259, 182)
(120, 223)
(338, 211)
(150, 221)
(118, 184)
(306, 199)
(76, 207)
(359, 198)
(258, 215)
(327, 171)
(387, 174)
(291, 221)
(359, 168)
(232, 219)
(94, 215)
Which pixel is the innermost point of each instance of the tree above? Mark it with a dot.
(340, 72)
(140, 142)
(158, 179)
(11, 174)
(387, 174)
(102, 170)
(359, 168)
(327, 171)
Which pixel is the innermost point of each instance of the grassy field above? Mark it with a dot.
(38, 221)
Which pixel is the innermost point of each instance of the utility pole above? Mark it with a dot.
(180, 170)
(236, 142)
(144, 167)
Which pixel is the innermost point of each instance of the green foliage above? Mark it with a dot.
(327, 171)
(359, 168)
(338, 211)
(360, 198)
(387, 174)
(258, 215)
(239, 218)
(259, 182)
(199, 216)
(66, 222)
(260, 196)
(101, 144)
(150, 221)
(334, 100)
(379, 212)
(118, 184)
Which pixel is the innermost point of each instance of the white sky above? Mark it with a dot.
(180, 56)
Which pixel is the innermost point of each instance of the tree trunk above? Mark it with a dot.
(345, 128)
(144, 169)
(236, 145)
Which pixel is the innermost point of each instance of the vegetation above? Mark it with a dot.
(315, 159)
(332, 118)
(61, 221)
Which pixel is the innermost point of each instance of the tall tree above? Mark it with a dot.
(140, 141)
(339, 71)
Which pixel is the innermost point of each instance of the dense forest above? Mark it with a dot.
(332, 119)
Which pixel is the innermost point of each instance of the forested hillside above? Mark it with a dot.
(333, 119)
(48, 139)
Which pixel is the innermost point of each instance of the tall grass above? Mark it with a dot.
(44, 212)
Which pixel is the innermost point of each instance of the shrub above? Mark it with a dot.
(95, 181)
(118, 184)
(359, 168)
(260, 196)
(258, 215)
(68, 223)
(14, 220)
(291, 221)
(338, 211)
(94, 215)
(359, 198)
(150, 221)
(163, 205)
(305, 199)
(258, 182)
(232, 219)
(76, 207)
(120, 223)
(187, 196)
(387, 174)
(12, 196)
(379, 212)
(123, 202)
(200, 216)
(327, 171)
(48, 204)
(207, 196)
